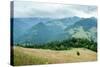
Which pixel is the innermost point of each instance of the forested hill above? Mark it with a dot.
(64, 44)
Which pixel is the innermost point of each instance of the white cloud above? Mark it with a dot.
(35, 9)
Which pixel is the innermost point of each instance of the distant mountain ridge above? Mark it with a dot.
(43, 30)
(85, 28)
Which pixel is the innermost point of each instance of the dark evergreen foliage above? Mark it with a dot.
(65, 44)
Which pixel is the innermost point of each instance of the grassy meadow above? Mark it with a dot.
(32, 56)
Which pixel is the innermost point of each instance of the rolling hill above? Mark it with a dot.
(27, 56)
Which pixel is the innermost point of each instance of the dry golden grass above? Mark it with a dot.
(24, 56)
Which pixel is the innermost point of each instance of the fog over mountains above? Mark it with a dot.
(46, 22)
(27, 9)
(43, 30)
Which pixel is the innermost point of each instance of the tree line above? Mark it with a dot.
(65, 44)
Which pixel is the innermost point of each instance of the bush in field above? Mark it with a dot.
(65, 44)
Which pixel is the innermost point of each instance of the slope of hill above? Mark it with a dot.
(85, 28)
(27, 56)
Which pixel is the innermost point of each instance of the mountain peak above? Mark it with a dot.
(40, 24)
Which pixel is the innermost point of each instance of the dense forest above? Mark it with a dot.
(64, 44)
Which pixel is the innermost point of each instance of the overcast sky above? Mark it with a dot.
(50, 10)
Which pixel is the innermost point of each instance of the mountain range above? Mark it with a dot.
(42, 30)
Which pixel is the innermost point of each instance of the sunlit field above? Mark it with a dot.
(28, 56)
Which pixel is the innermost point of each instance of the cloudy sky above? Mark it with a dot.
(36, 9)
